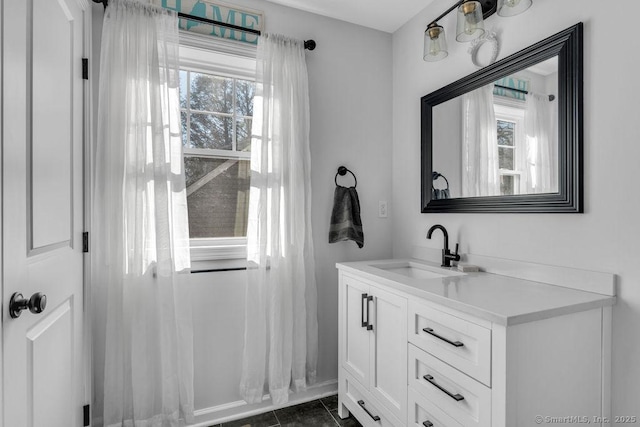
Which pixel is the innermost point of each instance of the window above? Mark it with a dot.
(216, 113)
(506, 157)
(510, 123)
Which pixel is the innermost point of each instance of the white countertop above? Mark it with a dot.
(499, 299)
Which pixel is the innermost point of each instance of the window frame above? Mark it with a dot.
(198, 56)
(214, 152)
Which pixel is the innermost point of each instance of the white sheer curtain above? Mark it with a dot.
(281, 336)
(479, 144)
(541, 145)
(140, 222)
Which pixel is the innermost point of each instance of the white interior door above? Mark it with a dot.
(42, 211)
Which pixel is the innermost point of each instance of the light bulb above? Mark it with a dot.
(435, 47)
(470, 24)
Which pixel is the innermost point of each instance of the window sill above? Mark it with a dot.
(219, 252)
(207, 255)
(218, 265)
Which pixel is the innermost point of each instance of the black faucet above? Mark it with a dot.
(447, 256)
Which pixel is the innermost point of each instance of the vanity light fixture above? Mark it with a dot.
(471, 16)
(435, 43)
(513, 7)
(470, 22)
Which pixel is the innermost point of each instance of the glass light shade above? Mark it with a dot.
(513, 7)
(435, 44)
(470, 22)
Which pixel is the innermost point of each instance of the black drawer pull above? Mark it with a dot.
(427, 424)
(453, 343)
(362, 303)
(456, 397)
(369, 325)
(374, 417)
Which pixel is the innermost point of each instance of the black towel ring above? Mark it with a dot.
(342, 171)
(435, 175)
(439, 193)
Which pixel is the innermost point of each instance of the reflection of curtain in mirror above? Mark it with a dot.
(480, 147)
(542, 152)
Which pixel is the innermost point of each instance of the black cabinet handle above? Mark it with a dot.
(373, 417)
(427, 424)
(456, 397)
(453, 343)
(369, 325)
(362, 303)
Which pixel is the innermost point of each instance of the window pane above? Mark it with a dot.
(183, 89)
(505, 158)
(243, 135)
(506, 132)
(245, 91)
(185, 136)
(506, 185)
(217, 196)
(211, 93)
(211, 131)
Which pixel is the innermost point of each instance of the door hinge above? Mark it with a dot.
(85, 241)
(85, 68)
(87, 415)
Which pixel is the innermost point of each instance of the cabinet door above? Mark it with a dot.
(355, 335)
(389, 352)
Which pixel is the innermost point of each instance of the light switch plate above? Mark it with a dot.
(382, 209)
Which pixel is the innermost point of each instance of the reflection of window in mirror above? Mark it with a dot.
(500, 139)
(509, 136)
(511, 146)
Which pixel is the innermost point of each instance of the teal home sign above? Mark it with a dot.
(512, 82)
(220, 12)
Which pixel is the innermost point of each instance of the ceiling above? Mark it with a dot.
(383, 15)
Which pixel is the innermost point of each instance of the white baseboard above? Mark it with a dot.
(240, 409)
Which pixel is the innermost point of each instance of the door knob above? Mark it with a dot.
(36, 304)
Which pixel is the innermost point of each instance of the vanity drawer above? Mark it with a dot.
(461, 397)
(364, 406)
(423, 413)
(462, 344)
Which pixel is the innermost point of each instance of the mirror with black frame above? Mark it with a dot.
(508, 138)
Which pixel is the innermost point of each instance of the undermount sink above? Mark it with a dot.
(416, 270)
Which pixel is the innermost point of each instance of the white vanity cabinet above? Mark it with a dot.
(478, 350)
(373, 351)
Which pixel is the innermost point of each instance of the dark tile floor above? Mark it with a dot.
(317, 413)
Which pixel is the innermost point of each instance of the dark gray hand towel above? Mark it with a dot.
(345, 217)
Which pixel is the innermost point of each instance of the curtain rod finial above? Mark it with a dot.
(309, 44)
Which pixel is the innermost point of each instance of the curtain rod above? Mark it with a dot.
(551, 97)
(308, 44)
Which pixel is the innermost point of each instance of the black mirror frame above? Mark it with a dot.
(567, 45)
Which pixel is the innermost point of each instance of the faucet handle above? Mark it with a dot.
(455, 256)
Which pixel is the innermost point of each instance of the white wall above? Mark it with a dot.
(350, 102)
(350, 96)
(605, 237)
